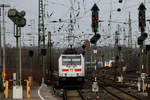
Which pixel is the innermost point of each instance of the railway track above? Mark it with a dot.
(119, 94)
(72, 95)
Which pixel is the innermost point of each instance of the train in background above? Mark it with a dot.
(109, 63)
(71, 69)
(100, 64)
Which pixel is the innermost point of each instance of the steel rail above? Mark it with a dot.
(66, 97)
(122, 91)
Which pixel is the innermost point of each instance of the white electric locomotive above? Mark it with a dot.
(71, 70)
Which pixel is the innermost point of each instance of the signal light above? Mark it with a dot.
(43, 52)
(31, 53)
(142, 18)
(95, 18)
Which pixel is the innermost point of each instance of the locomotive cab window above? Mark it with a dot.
(66, 61)
(71, 60)
(76, 61)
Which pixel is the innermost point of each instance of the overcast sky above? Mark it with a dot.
(60, 9)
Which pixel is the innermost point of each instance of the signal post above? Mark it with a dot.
(93, 40)
(19, 21)
(2, 67)
(141, 39)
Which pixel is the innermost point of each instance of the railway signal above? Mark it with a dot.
(142, 17)
(43, 52)
(83, 46)
(142, 38)
(31, 53)
(95, 38)
(17, 17)
(95, 18)
(19, 21)
(120, 1)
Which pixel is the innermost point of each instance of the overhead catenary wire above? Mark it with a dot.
(82, 15)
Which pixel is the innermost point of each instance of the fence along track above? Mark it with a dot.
(72, 95)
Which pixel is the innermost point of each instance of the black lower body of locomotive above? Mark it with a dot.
(71, 82)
